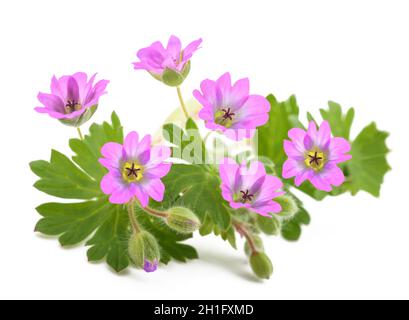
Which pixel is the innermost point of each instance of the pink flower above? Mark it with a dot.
(135, 169)
(230, 109)
(250, 188)
(156, 59)
(72, 98)
(314, 155)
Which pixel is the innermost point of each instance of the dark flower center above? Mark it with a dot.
(132, 172)
(224, 117)
(72, 106)
(246, 196)
(315, 160)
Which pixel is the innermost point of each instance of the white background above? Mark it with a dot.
(352, 52)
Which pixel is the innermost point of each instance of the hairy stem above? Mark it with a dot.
(80, 133)
(156, 213)
(242, 230)
(132, 218)
(182, 103)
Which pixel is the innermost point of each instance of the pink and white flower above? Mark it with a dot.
(250, 187)
(230, 108)
(73, 99)
(314, 155)
(156, 59)
(135, 170)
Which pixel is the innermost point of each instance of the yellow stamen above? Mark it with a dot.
(132, 172)
(315, 159)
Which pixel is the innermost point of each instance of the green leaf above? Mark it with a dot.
(283, 117)
(340, 123)
(111, 240)
(188, 144)
(104, 226)
(61, 178)
(198, 189)
(369, 164)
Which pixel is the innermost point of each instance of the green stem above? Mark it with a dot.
(80, 133)
(132, 218)
(182, 103)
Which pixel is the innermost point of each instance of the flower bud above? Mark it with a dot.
(182, 220)
(144, 251)
(270, 226)
(261, 265)
(289, 207)
(258, 243)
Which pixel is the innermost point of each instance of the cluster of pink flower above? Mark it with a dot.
(135, 168)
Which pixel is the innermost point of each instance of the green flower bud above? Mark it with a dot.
(258, 244)
(144, 250)
(172, 77)
(261, 265)
(288, 205)
(182, 220)
(270, 226)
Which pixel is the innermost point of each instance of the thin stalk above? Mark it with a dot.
(241, 229)
(132, 218)
(182, 103)
(80, 133)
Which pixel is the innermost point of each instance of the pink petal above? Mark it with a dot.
(320, 183)
(174, 47)
(73, 90)
(338, 148)
(154, 188)
(297, 136)
(142, 195)
(267, 209)
(239, 93)
(292, 168)
(224, 84)
(190, 49)
(292, 151)
(131, 143)
(112, 153)
(324, 135)
(228, 173)
(51, 102)
(269, 189)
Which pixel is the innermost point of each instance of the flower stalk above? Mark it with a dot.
(182, 103)
(80, 133)
(132, 218)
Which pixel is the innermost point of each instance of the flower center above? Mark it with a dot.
(224, 117)
(315, 160)
(72, 106)
(246, 196)
(132, 172)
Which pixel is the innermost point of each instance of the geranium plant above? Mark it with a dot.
(229, 170)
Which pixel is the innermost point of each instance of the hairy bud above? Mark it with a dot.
(269, 225)
(261, 265)
(182, 220)
(289, 206)
(144, 251)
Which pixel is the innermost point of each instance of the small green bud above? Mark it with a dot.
(270, 226)
(182, 220)
(261, 265)
(258, 244)
(144, 251)
(172, 77)
(289, 207)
